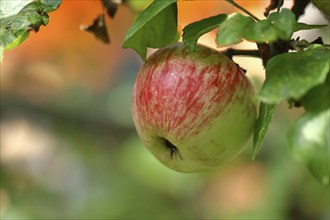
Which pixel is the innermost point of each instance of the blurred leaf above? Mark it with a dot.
(264, 118)
(195, 30)
(292, 75)
(155, 27)
(309, 143)
(261, 31)
(284, 22)
(138, 6)
(14, 29)
(98, 29)
(112, 6)
(231, 30)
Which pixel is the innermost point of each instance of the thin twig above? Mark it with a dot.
(243, 9)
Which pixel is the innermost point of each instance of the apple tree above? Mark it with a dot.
(296, 70)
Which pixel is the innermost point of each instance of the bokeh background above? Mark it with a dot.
(69, 149)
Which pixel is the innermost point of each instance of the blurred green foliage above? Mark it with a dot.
(89, 166)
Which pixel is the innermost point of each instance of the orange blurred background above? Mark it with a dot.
(70, 55)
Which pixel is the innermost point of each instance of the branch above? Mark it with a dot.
(92, 123)
(269, 50)
(273, 5)
(236, 52)
(299, 7)
(243, 9)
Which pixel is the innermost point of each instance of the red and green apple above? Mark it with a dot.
(193, 110)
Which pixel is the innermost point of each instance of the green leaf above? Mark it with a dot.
(292, 75)
(9, 8)
(15, 28)
(231, 30)
(309, 143)
(284, 23)
(309, 135)
(195, 30)
(264, 118)
(13, 41)
(155, 27)
(302, 26)
(261, 31)
(51, 5)
(318, 98)
(279, 25)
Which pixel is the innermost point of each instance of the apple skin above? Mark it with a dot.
(193, 110)
(323, 6)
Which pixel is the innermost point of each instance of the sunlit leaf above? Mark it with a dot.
(231, 30)
(15, 28)
(278, 26)
(155, 27)
(193, 31)
(9, 8)
(292, 75)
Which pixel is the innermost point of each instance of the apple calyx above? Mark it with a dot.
(173, 150)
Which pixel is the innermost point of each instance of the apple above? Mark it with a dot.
(193, 110)
(323, 6)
